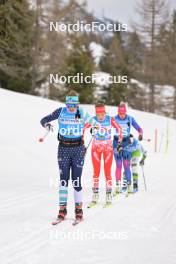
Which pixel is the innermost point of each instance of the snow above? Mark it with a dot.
(167, 90)
(138, 229)
(97, 51)
(102, 78)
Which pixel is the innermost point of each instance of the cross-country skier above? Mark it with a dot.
(139, 155)
(102, 147)
(71, 150)
(123, 156)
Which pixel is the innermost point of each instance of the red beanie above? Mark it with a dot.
(99, 109)
(122, 109)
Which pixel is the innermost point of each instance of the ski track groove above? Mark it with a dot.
(171, 209)
(32, 243)
(19, 197)
(20, 201)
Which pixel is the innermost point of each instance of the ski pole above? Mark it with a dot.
(144, 178)
(43, 138)
(88, 144)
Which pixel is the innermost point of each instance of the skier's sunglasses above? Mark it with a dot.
(122, 114)
(71, 105)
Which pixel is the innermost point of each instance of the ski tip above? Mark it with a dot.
(107, 205)
(92, 205)
(76, 222)
(58, 221)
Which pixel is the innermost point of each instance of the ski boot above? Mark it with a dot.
(135, 186)
(95, 198)
(108, 198)
(61, 216)
(124, 184)
(78, 212)
(117, 189)
(129, 189)
(62, 212)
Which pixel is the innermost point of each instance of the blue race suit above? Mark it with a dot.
(71, 150)
(125, 155)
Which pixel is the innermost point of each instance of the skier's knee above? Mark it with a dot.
(63, 183)
(127, 155)
(77, 184)
(78, 188)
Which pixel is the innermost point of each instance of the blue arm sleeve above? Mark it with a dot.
(136, 126)
(53, 116)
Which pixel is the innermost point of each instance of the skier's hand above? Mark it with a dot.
(142, 162)
(119, 149)
(140, 137)
(131, 140)
(94, 129)
(49, 127)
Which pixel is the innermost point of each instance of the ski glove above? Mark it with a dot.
(49, 127)
(94, 129)
(130, 140)
(140, 137)
(142, 162)
(119, 149)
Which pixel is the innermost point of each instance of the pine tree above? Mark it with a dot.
(173, 43)
(134, 53)
(167, 55)
(137, 95)
(114, 62)
(153, 14)
(51, 48)
(80, 61)
(16, 36)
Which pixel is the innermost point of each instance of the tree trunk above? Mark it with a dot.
(174, 104)
(152, 86)
(36, 45)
